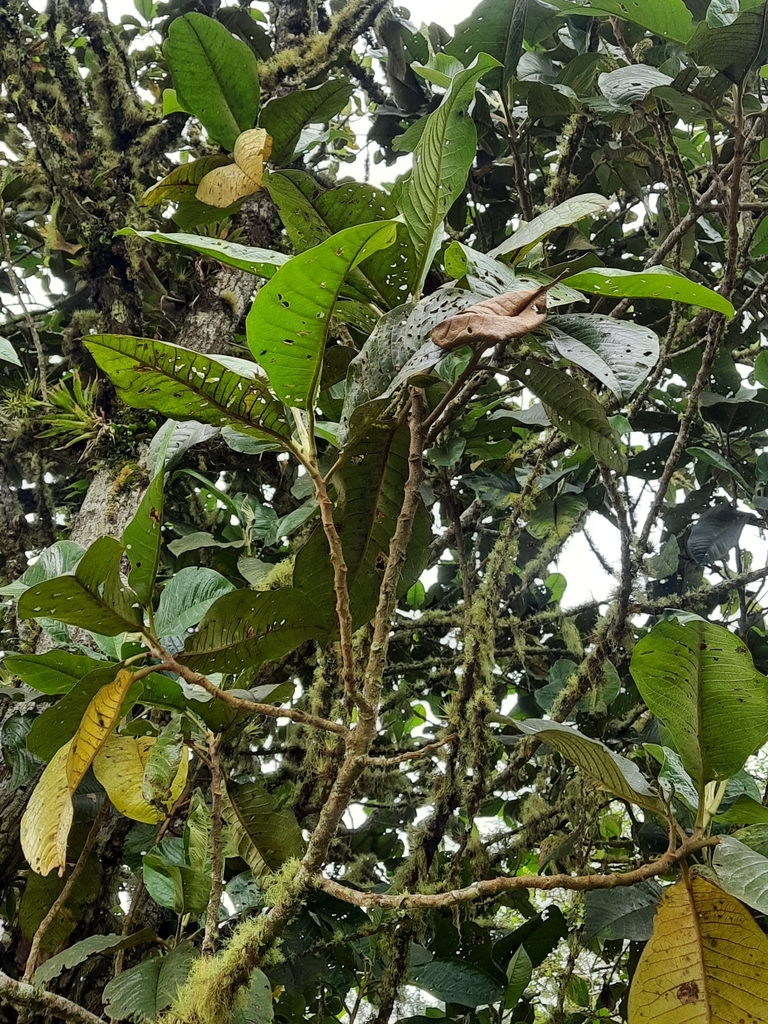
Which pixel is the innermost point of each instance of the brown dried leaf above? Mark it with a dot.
(493, 321)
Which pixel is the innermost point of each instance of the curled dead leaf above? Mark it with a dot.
(495, 320)
(225, 185)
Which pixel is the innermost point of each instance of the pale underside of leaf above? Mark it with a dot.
(47, 820)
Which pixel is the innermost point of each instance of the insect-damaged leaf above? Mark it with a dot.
(261, 825)
(97, 723)
(508, 316)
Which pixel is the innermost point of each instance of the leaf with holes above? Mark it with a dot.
(495, 27)
(668, 18)
(441, 163)
(618, 353)
(119, 766)
(94, 598)
(564, 215)
(574, 411)
(261, 262)
(707, 961)
(284, 117)
(372, 482)
(288, 323)
(698, 679)
(186, 597)
(47, 820)
(185, 385)
(656, 283)
(246, 628)
(53, 672)
(312, 214)
(97, 723)
(216, 76)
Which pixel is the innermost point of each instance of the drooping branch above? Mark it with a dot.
(27, 997)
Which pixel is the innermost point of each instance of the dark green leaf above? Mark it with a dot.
(575, 411)
(187, 386)
(285, 116)
(668, 18)
(253, 1004)
(735, 48)
(182, 889)
(216, 76)
(288, 323)
(13, 743)
(662, 565)
(456, 981)
(142, 537)
(95, 598)
(495, 27)
(53, 672)
(80, 951)
(716, 532)
(625, 913)
(142, 992)
(628, 86)
(261, 825)
(246, 628)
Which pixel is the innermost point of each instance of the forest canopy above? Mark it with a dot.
(382, 513)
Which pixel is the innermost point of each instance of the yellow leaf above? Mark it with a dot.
(706, 963)
(48, 818)
(97, 723)
(119, 767)
(225, 185)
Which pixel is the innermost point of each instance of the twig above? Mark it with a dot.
(24, 996)
(61, 899)
(412, 755)
(494, 886)
(25, 312)
(214, 901)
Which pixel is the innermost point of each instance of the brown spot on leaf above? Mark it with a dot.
(688, 993)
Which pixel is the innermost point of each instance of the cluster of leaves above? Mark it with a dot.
(318, 702)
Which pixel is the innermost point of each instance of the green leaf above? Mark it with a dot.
(564, 215)
(519, 974)
(80, 951)
(372, 482)
(13, 746)
(735, 48)
(95, 598)
(56, 560)
(216, 76)
(742, 872)
(312, 214)
(284, 117)
(441, 163)
(495, 27)
(655, 283)
(8, 352)
(186, 597)
(557, 518)
(673, 778)
(755, 837)
(716, 532)
(743, 811)
(163, 764)
(39, 894)
(619, 353)
(574, 411)
(722, 12)
(142, 992)
(288, 323)
(245, 628)
(172, 440)
(262, 826)
(59, 723)
(182, 889)
(699, 681)
(261, 262)
(629, 86)
(668, 18)
(662, 565)
(622, 913)
(716, 460)
(253, 1004)
(179, 186)
(188, 386)
(53, 672)
(456, 981)
(142, 538)
(613, 772)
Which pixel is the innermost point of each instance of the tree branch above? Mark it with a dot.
(27, 997)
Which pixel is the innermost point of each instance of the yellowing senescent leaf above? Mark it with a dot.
(707, 962)
(47, 820)
(225, 185)
(119, 767)
(97, 723)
